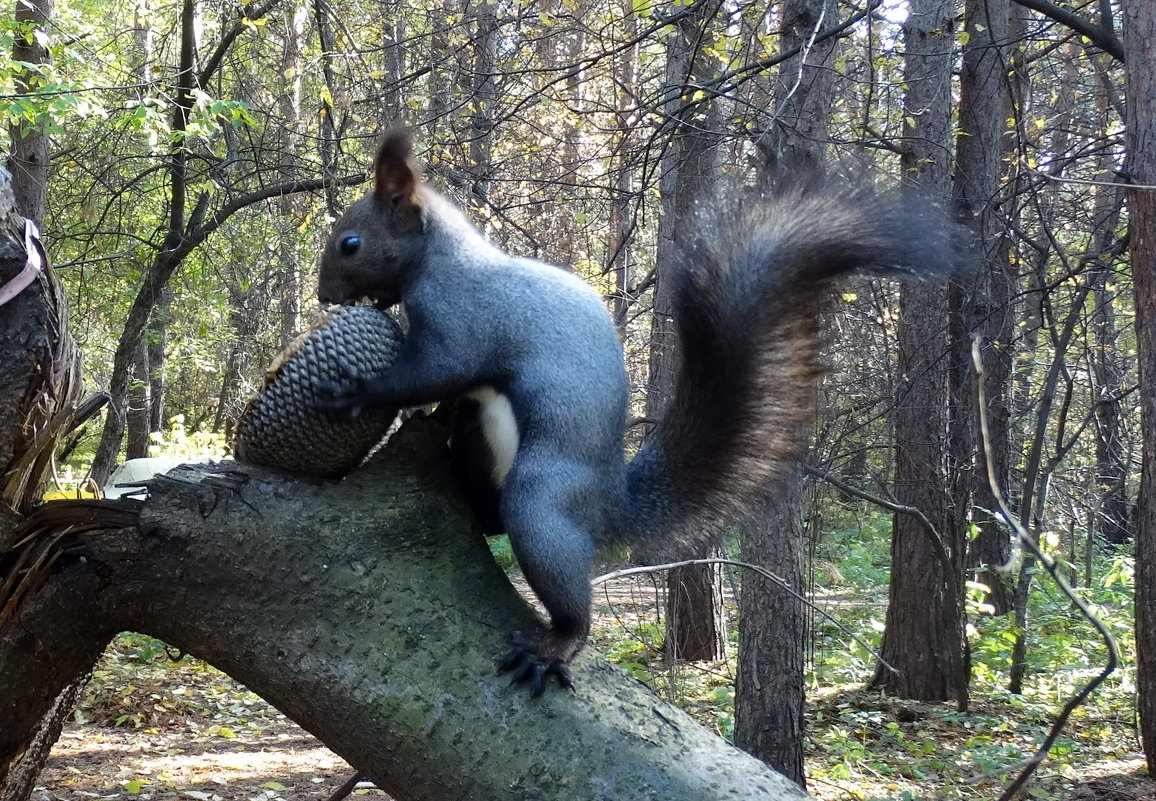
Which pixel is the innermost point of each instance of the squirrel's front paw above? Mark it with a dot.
(531, 662)
(349, 397)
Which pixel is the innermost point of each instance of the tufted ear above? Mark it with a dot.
(396, 179)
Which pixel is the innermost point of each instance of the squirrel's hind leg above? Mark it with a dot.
(556, 554)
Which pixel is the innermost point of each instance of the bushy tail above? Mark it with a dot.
(750, 285)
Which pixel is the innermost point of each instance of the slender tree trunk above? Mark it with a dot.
(769, 688)
(396, 58)
(327, 139)
(1138, 22)
(137, 409)
(695, 626)
(924, 631)
(289, 288)
(704, 637)
(1112, 520)
(981, 300)
(623, 202)
(158, 342)
(28, 158)
(443, 76)
(481, 119)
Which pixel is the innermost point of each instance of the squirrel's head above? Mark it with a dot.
(375, 246)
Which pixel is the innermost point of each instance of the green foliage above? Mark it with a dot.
(503, 553)
(178, 442)
(863, 745)
(861, 554)
(559, 157)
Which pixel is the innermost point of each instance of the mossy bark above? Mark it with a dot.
(371, 612)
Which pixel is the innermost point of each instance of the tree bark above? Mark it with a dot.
(1112, 519)
(769, 688)
(137, 413)
(1138, 21)
(700, 592)
(695, 625)
(981, 299)
(28, 159)
(38, 387)
(770, 692)
(924, 630)
(370, 612)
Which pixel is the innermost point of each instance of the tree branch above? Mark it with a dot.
(243, 15)
(372, 613)
(1103, 38)
(949, 577)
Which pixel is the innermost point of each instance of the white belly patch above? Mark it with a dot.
(500, 429)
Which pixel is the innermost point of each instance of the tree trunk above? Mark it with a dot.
(1138, 21)
(695, 626)
(769, 689)
(1113, 518)
(137, 413)
(289, 289)
(370, 612)
(981, 300)
(28, 159)
(703, 637)
(38, 387)
(623, 202)
(924, 631)
(480, 118)
(922, 636)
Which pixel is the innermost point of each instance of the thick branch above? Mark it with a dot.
(1103, 38)
(368, 612)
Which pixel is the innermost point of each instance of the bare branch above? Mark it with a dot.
(1101, 37)
(762, 571)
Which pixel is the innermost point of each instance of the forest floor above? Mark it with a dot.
(152, 728)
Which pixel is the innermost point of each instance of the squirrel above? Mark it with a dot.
(535, 347)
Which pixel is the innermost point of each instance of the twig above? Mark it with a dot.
(1050, 566)
(950, 579)
(345, 789)
(762, 571)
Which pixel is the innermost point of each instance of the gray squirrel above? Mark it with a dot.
(536, 349)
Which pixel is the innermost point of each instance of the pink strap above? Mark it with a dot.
(32, 266)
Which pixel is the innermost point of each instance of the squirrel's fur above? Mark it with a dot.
(500, 329)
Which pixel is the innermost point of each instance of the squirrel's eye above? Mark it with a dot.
(349, 245)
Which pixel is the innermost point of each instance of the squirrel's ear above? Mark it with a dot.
(396, 178)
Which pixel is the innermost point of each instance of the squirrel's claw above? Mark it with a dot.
(530, 668)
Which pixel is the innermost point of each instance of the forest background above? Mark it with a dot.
(185, 161)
